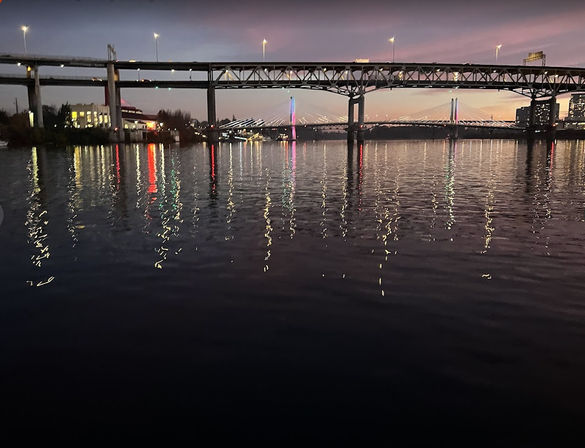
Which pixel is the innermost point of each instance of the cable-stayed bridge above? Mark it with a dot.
(453, 113)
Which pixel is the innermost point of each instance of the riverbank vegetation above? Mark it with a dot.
(58, 131)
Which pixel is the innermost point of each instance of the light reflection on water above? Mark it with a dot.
(38, 218)
(496, 196)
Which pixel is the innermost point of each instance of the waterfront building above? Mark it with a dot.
(89, 116)
(135, 123)
(133, 118)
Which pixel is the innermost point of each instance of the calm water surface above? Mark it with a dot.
(406, 290)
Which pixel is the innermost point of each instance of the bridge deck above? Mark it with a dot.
(345, 78)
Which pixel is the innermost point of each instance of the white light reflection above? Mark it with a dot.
(288, 187)
(230, 205)
(323, 182)
(268, 223)
(37, 220)
(450, 184)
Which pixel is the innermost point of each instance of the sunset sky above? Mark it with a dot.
(299, 30)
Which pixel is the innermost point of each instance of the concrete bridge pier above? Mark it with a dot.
(212, 132)
(361, 114)
(35, 104)
(531, 118)
(552, 118)
(114, 102)
(351, 119)
(119, 118)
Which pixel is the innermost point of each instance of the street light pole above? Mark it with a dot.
(392, 40)
(156, 45)
(264, 42)
(24, 29)
(498, 47)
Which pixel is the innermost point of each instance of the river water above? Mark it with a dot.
(404, 290)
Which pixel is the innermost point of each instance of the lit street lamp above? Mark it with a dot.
(264, 42)
(156, 36)
(24, 29)
(498, 47)
(392, 40)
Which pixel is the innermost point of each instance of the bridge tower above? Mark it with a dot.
(292, 120)
(454, 119)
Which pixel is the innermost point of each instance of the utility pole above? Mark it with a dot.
(16, 105)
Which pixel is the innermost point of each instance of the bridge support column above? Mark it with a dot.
(35, 104)
(119, 117)
(531, 117)
(212, 133)
(552, 118)
(361, 114)
(351, 119)
(113, 100)
(32, 101)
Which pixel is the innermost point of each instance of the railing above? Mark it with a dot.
(41, 57)
(56, 77)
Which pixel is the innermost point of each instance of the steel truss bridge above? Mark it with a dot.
(349, 79)
(353, 80)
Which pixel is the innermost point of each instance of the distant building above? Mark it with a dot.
(541, 114)
(523, 116)
(576, 116)
(136, 124)
(134, 118)
(90, 116)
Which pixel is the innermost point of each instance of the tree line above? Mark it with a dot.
(58, 128)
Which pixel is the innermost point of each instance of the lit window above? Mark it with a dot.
(82, 114)
(74, 116)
